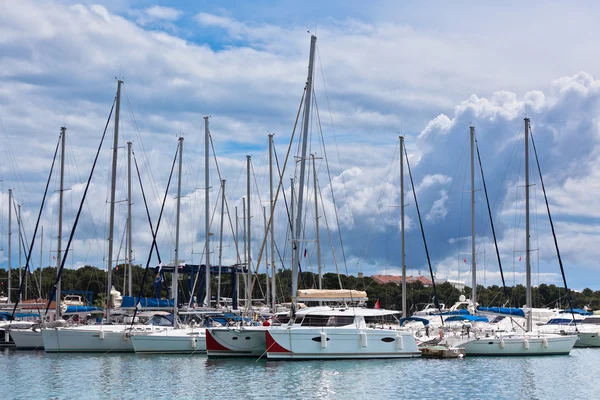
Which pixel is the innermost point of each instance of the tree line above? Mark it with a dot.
(90, 278)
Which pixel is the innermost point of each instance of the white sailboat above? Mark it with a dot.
(179, 340)
(494, 343)
(93, 338)
(333, 332)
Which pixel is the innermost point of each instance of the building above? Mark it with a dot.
(385, 279)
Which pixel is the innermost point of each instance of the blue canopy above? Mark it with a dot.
(425, 321)
(576, 311)
(148, 302)
(472, 318)
(8, 315)
(82, 309)
(517, 312)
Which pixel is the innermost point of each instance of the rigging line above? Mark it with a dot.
(491, 220)
(280, 184)
(235, 239)
(28, 255)
(334, 139)
(154, 233)
(562, 270)
(330, 238)
(87, 186)
(145, 159)
(337, 219)
(435, 296)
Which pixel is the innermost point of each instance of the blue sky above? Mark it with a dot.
(428, 70)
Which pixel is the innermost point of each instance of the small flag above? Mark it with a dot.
(304, 253)
(465, 260)
(377, 306)
(519, 258)
(54, 257)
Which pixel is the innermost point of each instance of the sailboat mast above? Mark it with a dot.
(129, 236)
(206, 210)
(113, 184)
(473, 257)
(267, 282)
(306, 122)
(292, 235)
(177, 218)
(9, 244)
(41, 261)
(245, 250)
(221, 241)
(527, 244)
(404, 294)
(273, 269)
(319, 268)
(63, 139)
(249, 247)
(20, 262)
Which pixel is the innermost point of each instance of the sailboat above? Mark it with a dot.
(346, 331)
(189, 339)
(486, 343)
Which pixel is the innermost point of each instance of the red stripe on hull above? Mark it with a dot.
(212, 344)
(273, 346)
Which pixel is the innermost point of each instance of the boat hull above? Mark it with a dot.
(27, 339)
(87, 340)
(307, 343)
(519, 346)
(236, 342)
(588, 339)
(170, 342)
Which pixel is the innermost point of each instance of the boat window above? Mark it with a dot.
(159, 320)
(381, 319)
(591, 320)
(324, 320)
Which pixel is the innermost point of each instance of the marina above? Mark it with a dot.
(375, 204)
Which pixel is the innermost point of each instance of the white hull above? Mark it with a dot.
(519, 345)
(87, 339)
(588, 339)
(27, 339)
(173, 341)
(236, 342)
(304, 343)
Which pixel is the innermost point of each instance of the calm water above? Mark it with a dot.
(36, 375)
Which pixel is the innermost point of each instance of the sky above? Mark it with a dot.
(427, 71)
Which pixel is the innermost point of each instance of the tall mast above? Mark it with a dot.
(273, 269)
(221, 241)
(177, 218)
(19, 240)
(63, 140)
(249, 248)
(245, 250)
(129, 238)
(306, 122)
(267, 282)
(113, 184)
(292, 236)
(473, 257)
(9, 244)
(237, 237)
(206, 210)
(41, 261)
(317, 223)
(527, 244)
(403, 257)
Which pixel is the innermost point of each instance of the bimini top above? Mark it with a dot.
(346, 295)
(472, 318)
(517, 312)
